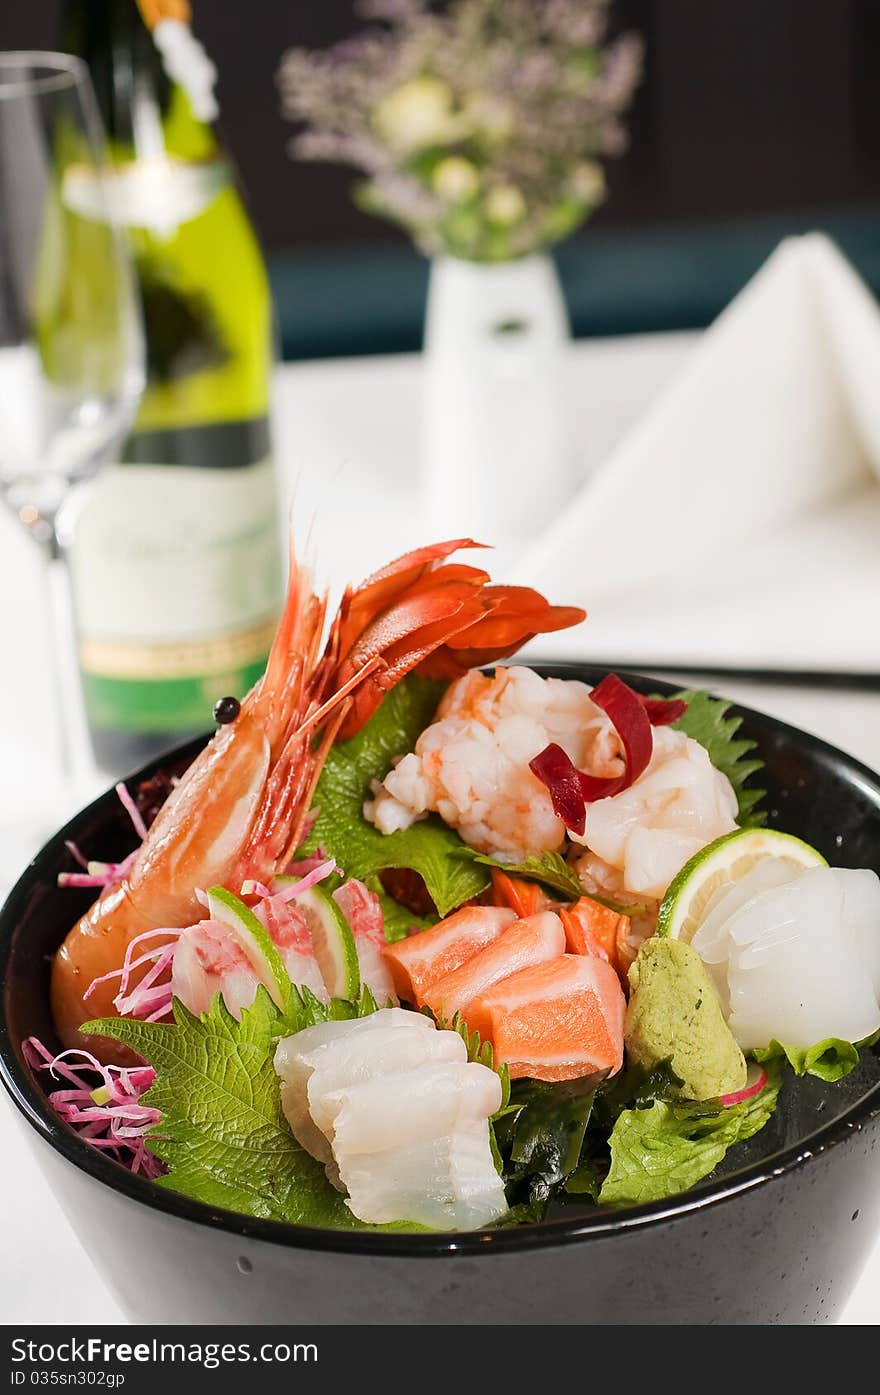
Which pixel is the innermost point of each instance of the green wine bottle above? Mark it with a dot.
(176, 562)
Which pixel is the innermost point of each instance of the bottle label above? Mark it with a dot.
(177, 581)
(160, 194)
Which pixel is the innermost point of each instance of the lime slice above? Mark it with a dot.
(332, 942)
(715, 868)
(254, 939)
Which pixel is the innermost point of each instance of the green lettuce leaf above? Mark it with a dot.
(665, 1149)
(706, 721)
(428, 847)
(223, 1133)
(829, 1060)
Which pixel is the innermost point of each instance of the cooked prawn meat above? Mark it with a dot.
(399, 1117)
(471, 765)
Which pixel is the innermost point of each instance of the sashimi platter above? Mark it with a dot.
(423, 940)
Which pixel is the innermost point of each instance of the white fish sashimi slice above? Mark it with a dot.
(410, 1107)
(294, 1065)
(800, 970)
(384, 1052)
(298, 1056)
(447, 1183)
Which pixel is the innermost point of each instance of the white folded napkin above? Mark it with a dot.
(739, 523)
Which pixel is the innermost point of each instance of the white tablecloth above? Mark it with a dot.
(347, 444)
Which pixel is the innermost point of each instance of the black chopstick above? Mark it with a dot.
(784, 677)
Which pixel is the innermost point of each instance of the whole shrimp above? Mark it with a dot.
(240, 809)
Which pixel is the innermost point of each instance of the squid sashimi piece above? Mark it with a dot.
(207, 961)
(554, 1021)
(447, 1184)
(419, 961)
(298, 1057)
(409, 1107)
(293, 939)
(362, 910)
(802, 960)
(711, 939)
(531, 941)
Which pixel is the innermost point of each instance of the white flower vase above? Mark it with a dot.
(497, 457)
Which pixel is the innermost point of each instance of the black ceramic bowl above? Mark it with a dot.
(779, 1236)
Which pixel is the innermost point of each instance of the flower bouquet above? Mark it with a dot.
(480, 129)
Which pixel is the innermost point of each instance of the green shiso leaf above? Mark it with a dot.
(668, 1147)
(223, 1133)
(706, 721)
(481, 1052)
(829, 1060)
(428, 847)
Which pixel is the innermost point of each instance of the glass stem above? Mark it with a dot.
(72, 735)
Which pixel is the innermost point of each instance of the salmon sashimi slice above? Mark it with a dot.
(530, 941)
(526, 898)
(591, 928)
(554, 1021)
(419, 961)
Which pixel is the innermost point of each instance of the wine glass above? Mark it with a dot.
(71, 345)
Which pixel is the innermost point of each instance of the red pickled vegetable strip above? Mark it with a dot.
(662, 712)
(633, 716)
(563, 780)
(627, 712)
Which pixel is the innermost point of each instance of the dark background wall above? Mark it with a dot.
(756, 119)
(748, 106)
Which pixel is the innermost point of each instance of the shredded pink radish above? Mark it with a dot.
(318, 874)
(150, 1000)
(252, 888)
(98, 874)
(132, 810)
(75, 853)
(119, 1122)
(756, 1079)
